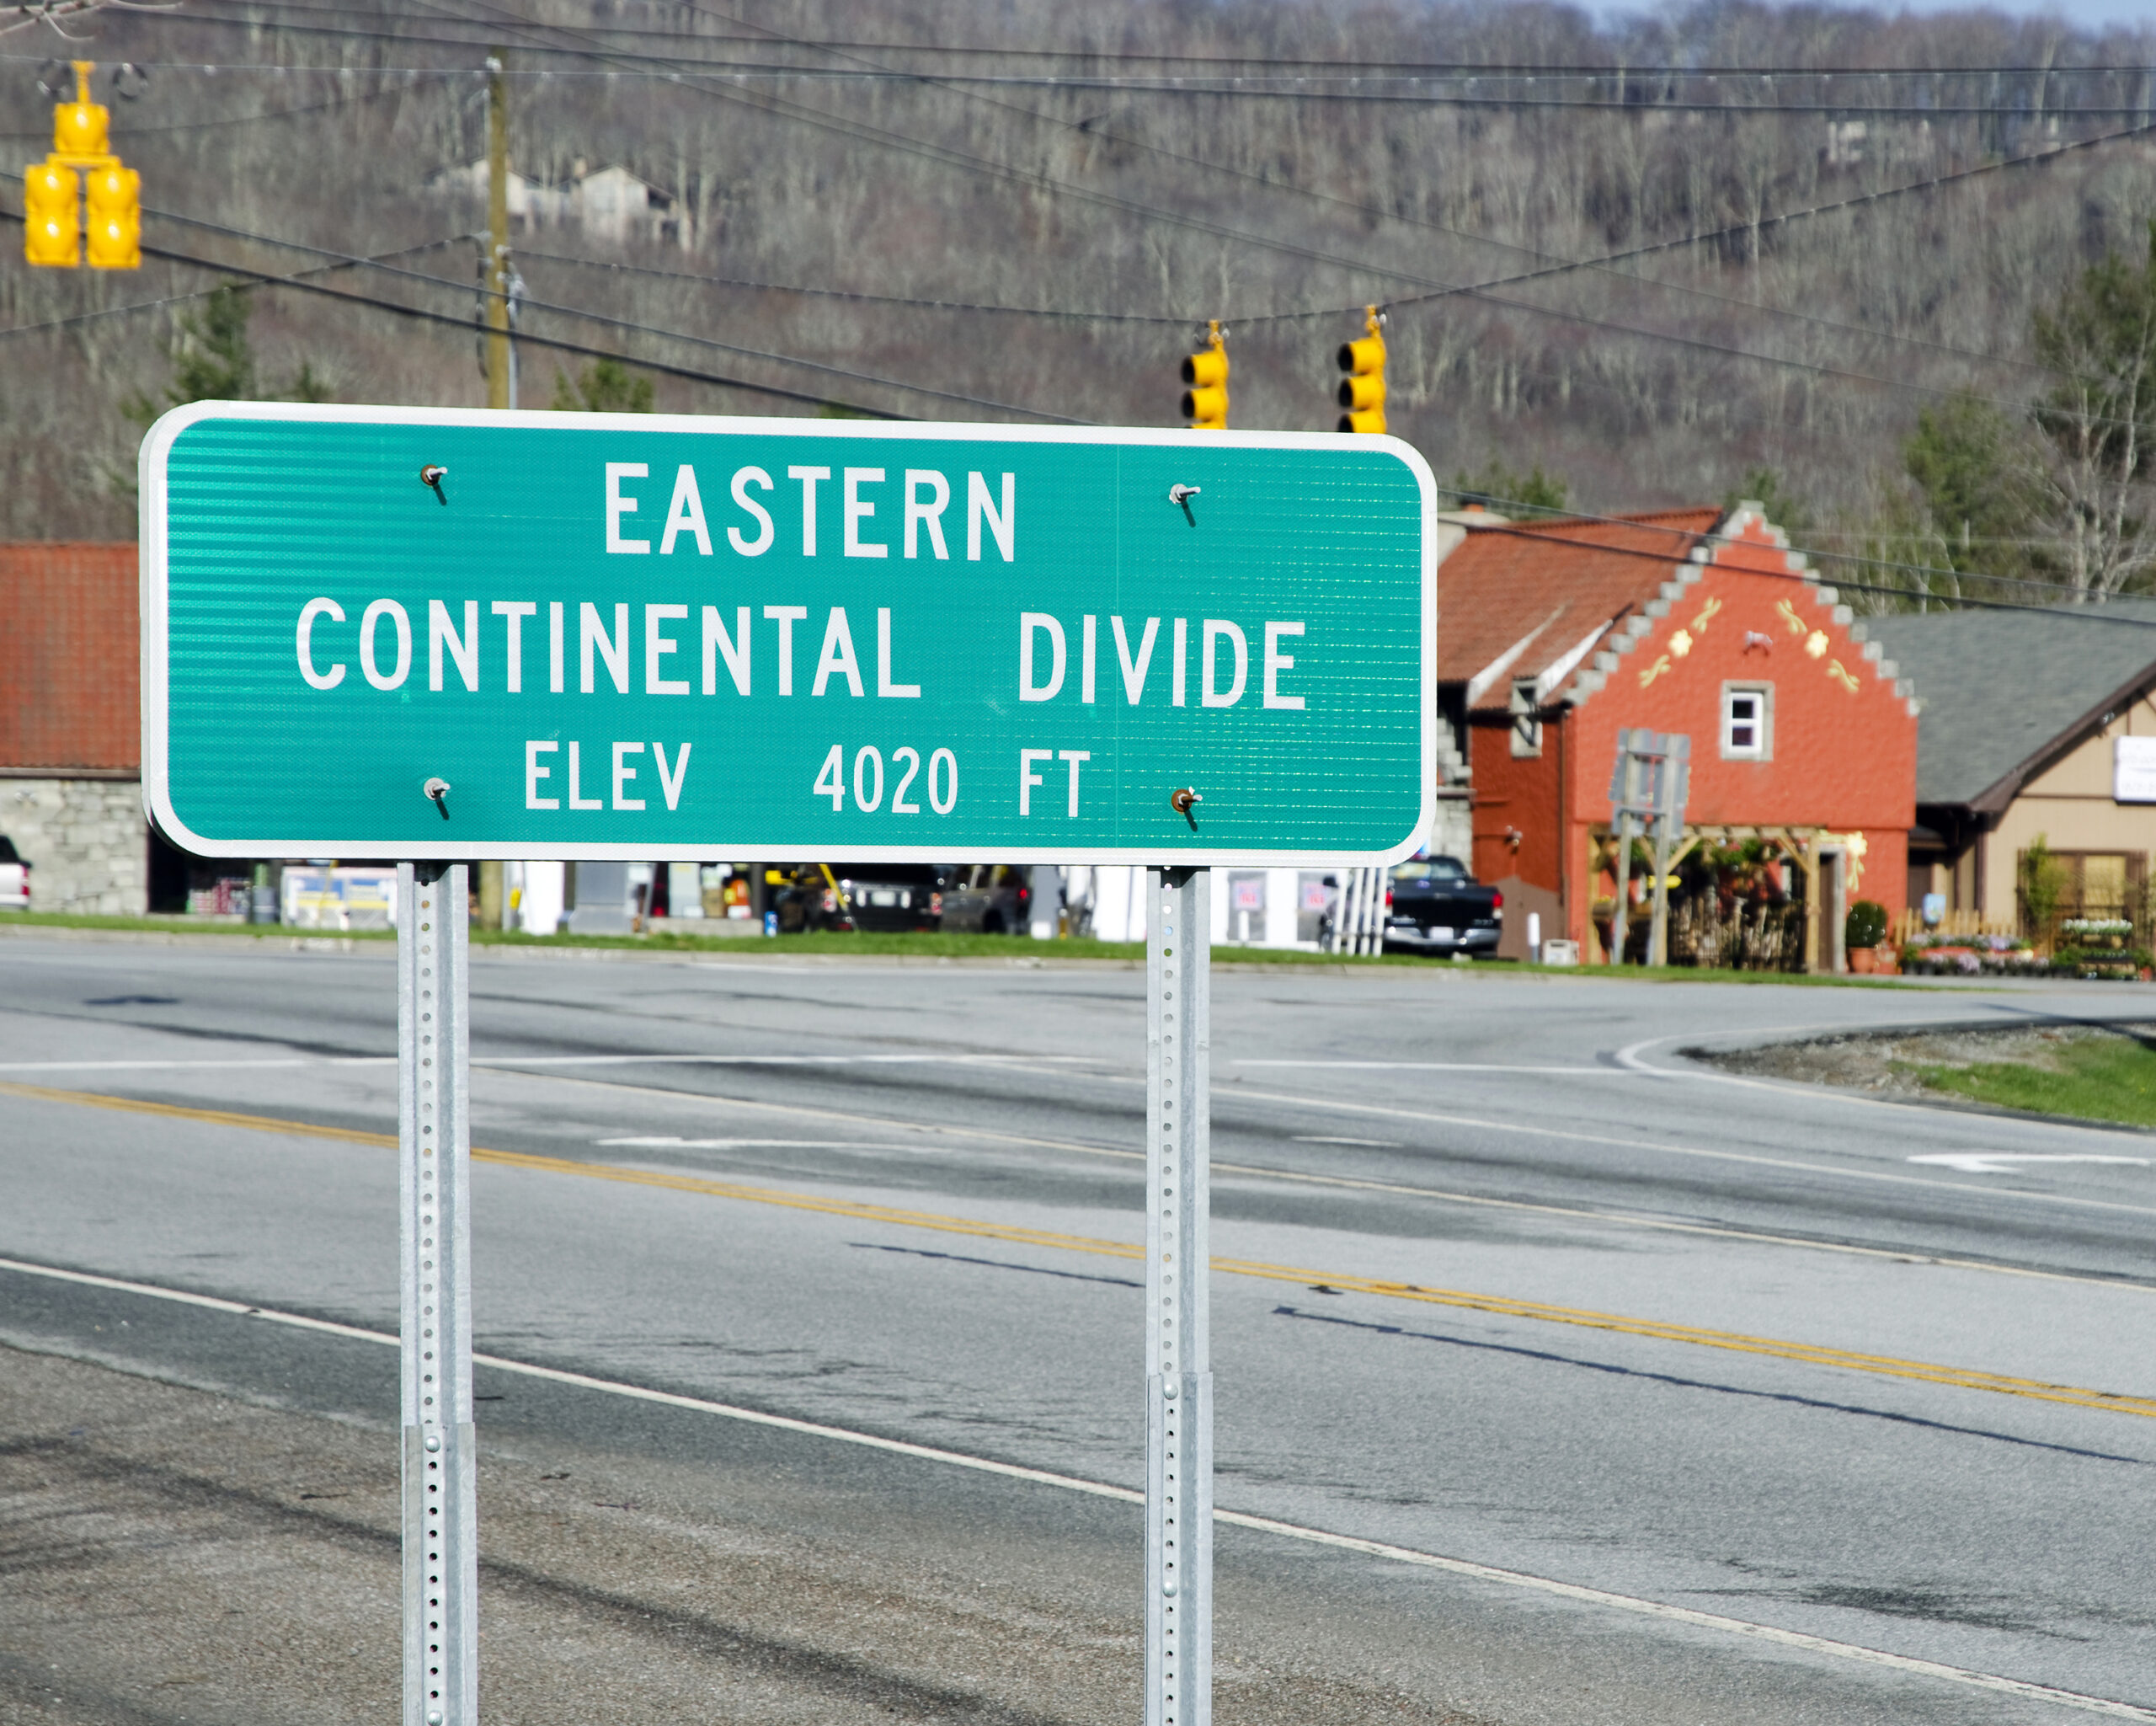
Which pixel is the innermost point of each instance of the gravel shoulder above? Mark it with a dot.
(175, 1555)
(1906, 1064)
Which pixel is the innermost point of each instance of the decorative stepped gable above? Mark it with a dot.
(1746, 526)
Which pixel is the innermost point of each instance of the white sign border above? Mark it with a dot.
(154, 553)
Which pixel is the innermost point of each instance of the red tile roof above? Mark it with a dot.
(1559, 582)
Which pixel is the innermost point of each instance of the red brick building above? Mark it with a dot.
(1553, 635)
(71, 725)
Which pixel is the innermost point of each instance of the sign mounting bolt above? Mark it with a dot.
(432, 476)
(1184, 803)
(439, 790)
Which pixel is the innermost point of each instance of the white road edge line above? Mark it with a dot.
(1629, 1058)
(1068, 1482)
(1455, 1066)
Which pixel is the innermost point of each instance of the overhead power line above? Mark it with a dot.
(1483, 292)
(1221, 61)
(910, 302)
(1555, 267)
(301, 284)
(130, 307)
(1440, 291)
(332, 104)
(1435, 290)
(1542, 517)
(628, 326)
(822, 119)
(1514, 90)
(1244, 67)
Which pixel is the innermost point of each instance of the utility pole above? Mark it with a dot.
(499, 394)
(501, 390)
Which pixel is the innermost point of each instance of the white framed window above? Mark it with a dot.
(1526, 718)
(1748, 722)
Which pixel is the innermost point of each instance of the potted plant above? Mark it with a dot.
(1862, 931)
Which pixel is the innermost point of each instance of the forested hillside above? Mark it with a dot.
(1598, 245)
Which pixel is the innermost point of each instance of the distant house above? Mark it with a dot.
(607, 203)
(2032, 723)
(1554, 635)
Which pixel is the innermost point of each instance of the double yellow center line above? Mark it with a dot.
(1883, 1366)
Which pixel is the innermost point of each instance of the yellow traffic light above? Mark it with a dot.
(80, 129)
(50, 234)
(1205, 383)
(1361, 391)
(52, 224)
(115, 218)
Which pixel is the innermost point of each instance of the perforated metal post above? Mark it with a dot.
(441, 1620)
(1178, 1378)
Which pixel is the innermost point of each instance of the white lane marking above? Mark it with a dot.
(1069, 1482)
(774, 1060)
(1899, 1255)
(662, 1142)
(214, 1064)
(1448, 1067)
(1333, 1139)
(206, 1065)
(1331, 1104)
(1305, 1179)
(2006, 1161)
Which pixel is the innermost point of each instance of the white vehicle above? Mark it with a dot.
(14, 878)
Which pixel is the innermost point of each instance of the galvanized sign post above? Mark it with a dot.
(488, 635)
(441, 1514)
(1179, 1366)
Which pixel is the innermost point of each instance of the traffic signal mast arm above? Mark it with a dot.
(81, 159)
(1361, 391)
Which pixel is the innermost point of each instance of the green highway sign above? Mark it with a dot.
(437, 634)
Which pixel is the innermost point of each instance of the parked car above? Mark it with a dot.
(15, 877)
(875, 897)
(988, 899)
(1433, 905)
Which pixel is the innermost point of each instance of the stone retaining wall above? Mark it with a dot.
(86, 839)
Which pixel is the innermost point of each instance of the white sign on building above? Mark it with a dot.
(2133, 769)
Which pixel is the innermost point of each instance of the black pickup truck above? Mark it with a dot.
(1433, 905)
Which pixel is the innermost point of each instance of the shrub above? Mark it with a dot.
(1865, 926)
(2043, 883)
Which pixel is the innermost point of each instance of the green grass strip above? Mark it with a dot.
(2094, 1078)
(826, 944)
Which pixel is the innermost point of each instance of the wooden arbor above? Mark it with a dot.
(1802, 846)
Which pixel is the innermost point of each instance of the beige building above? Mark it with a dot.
(2032, 723)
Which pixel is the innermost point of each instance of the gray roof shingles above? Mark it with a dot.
(1999, 689)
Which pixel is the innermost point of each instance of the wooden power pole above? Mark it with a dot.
(497, 273)
(498, 376)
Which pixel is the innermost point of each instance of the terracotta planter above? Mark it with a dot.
(1864, 961)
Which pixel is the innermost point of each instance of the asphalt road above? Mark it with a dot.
(1505, 1280)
